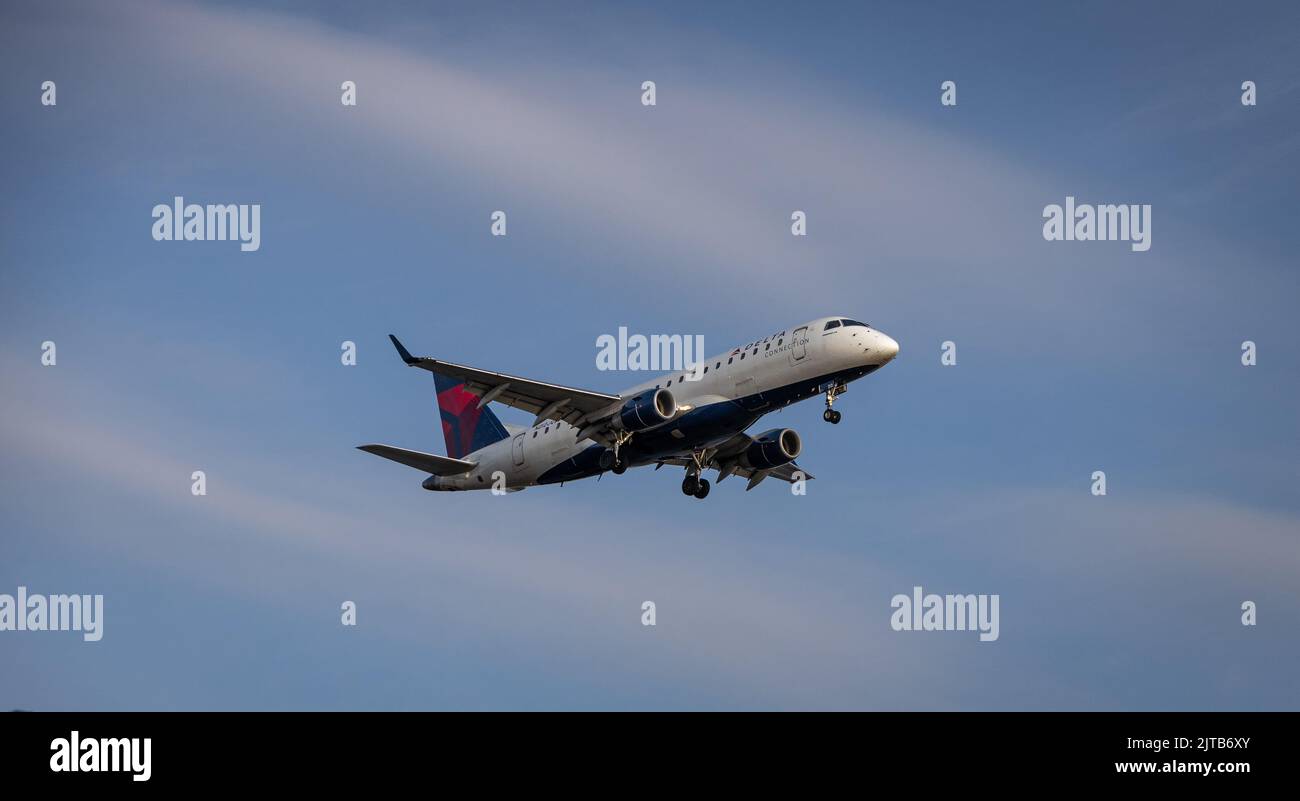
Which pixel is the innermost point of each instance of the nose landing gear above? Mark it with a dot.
(830, 415)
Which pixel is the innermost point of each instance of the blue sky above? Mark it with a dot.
(924, 220)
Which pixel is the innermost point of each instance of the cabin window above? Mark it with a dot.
(730, 359)
(742, 355)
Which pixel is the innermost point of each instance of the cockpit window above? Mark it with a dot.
(855, 322)
(832, 324)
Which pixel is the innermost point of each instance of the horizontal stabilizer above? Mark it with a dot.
(428, 462)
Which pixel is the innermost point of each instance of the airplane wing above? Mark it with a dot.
(547, 401)
(428, 462)
(723, 457)
(785, 472)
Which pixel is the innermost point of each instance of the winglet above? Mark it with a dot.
(403, 352)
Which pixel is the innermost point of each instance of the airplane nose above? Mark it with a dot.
(887, 346)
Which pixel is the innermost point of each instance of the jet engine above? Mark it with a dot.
(649, 409)
(772, 449)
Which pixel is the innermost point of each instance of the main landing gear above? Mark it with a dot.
(830, 415)
(694, 484)
(619, 467)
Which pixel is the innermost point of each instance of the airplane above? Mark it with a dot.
(694, 418)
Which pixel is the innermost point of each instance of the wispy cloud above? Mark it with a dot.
(702, 185)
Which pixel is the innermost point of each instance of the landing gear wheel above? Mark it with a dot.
(830, 415)
(702, 491)
(691, 485)
(619, 467)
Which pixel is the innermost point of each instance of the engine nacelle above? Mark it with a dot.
(772, 449)
(649, 409)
